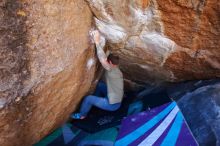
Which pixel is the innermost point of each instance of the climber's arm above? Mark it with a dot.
(100, 43)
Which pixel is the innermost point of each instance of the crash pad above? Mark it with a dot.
(160, 126)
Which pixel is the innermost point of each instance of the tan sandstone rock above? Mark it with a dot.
(159, 41)
(47, 64)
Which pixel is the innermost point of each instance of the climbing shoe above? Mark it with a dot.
(77, 116)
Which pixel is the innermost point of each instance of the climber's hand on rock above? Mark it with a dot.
(95, 36)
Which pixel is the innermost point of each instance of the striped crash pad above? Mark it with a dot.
(161, 126)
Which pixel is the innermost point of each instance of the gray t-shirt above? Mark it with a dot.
(115, 85)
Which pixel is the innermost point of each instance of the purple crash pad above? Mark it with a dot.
(161, 126)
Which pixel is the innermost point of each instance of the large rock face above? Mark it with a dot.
(46, 65)
(159, 40)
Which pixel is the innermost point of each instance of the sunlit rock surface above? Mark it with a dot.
(47, 62)
(159, 40)
(46, 65)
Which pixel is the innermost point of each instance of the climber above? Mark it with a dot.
(113, 78)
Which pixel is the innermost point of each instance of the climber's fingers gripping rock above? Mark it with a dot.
(95, 36)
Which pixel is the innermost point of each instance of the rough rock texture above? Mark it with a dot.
(47, 62)
(46, 65)
(159, 40)
(200, 104)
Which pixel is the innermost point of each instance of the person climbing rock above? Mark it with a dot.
(113, 82)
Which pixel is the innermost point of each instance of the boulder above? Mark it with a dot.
(47, 64)
(200, 105)
(162, 41)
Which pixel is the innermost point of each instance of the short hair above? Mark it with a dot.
(113, 58)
